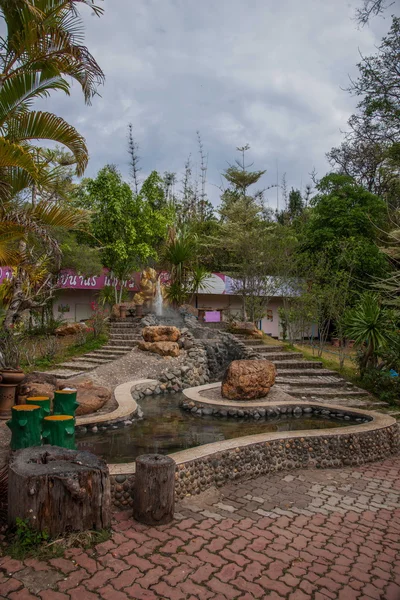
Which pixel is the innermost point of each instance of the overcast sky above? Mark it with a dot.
(264, 72)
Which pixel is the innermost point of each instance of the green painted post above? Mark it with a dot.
(65, 402)
(25, 425)
(59, 430)
(43, 402)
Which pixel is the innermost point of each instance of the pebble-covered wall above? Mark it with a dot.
(289, 452)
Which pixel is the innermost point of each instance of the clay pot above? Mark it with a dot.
(350, 343)
(122, 312)
(139, 310)
(336, 342)
(12, 376)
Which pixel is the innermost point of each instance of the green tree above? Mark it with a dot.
(128, 228)
(344, 214)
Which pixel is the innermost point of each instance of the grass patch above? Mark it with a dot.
(25, 542)
(75, 350)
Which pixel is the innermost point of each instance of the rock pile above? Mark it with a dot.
(160, 339)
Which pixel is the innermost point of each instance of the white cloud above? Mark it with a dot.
(259, 71)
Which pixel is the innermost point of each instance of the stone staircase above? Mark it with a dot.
(308, 379)
(123, 337)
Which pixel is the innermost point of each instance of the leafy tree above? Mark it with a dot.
(294, 208)
(128, 228)
(238, 175)
(344, 213)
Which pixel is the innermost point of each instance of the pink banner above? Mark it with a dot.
(71, 280)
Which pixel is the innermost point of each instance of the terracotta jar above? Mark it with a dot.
(12, 376)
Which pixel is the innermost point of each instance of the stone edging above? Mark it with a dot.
(127, 409)
(217, 463)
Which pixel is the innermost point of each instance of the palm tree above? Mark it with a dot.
(372, 328)
(180, 257)
(42, 47)
(29, 244)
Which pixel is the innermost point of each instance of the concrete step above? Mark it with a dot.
(270, 349)
(250, 342)
(120, 329)
(125, 336)
(92, 357)
(82, 366)
(314, 382)
(96, 360)
(112, 351)
(120, 343)
(280, 356)
(306, 372)
(62, 373)
(123, 348)
(297, 364)
(324, 393)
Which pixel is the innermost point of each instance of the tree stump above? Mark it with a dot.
(65, 403)
(59, 430)
(43, 402)
(154, 489)
(59, 490)
(26, 426)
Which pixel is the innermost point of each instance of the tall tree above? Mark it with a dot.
(133, 148)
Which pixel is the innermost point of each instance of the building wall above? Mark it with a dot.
(78, 301)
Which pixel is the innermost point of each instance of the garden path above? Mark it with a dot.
(307, 535)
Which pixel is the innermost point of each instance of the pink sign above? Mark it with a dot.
(70, 280)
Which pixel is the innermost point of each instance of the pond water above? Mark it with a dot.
(166, 428)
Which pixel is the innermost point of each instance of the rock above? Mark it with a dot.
(248, 379)
(70, 329)
(90, 397)
(161, 348)
(40, 389)
(245, 327)
(161, 333)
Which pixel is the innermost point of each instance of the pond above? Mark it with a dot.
(166, 428)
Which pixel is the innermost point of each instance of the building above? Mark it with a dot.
(218, 300)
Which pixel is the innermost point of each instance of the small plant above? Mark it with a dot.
(26, 539)
(98, 320)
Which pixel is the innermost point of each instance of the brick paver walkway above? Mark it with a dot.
(305, 535)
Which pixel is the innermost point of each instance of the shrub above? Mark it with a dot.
(382, 384)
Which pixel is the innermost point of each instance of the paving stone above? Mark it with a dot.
(337, 541)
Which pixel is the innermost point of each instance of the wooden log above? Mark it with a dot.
(64, 402)
(154, 489)
(59, 490)
(59, 430)
(26, 426)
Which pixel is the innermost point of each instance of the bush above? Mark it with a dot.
(98, 320)
(382, 384)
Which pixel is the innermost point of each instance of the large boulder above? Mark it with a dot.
(245, 327)
(90, 397)
(38, 384)
(161, 333)
(70, 329)
(248, 379)
(161, 348)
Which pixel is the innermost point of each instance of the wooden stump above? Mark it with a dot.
(59, 490)
(26, 426)
(65, 403)
(154, 489)
(59, 430)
